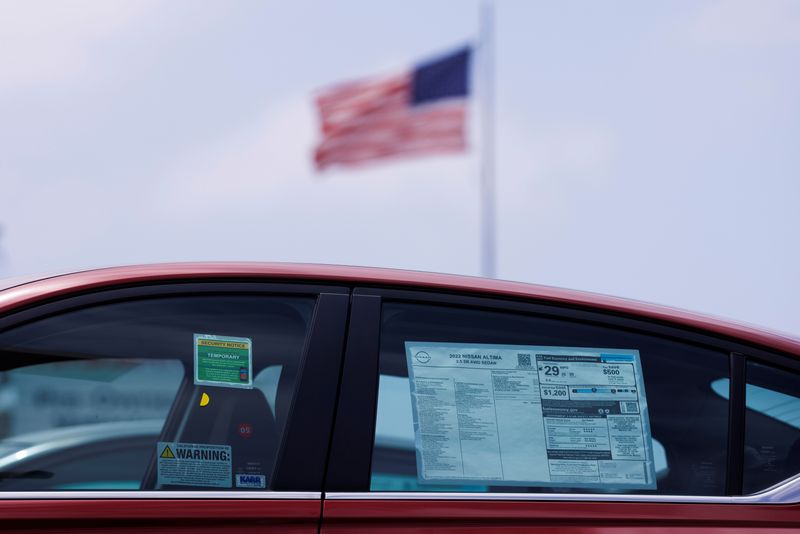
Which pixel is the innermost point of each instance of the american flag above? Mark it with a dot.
(417, 112)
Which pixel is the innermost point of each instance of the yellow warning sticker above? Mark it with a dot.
(167, 453)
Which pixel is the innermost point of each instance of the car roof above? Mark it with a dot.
(14, 281)
(29, 292)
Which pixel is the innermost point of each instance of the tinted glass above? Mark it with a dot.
(772, 427)
(687, 419)
(92, 398)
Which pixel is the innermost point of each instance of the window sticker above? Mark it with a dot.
(251, 481)
(223, 361)
(530, 416)
(194, 464)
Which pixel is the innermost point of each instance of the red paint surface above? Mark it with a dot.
(61, 285)
(166, 515)
(445, 517)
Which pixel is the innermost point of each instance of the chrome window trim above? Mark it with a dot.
(787, 492)
(544, 497)
(250, 495)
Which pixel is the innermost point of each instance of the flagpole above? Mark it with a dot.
(486, 77)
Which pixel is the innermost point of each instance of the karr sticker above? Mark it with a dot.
(223, 361)
(252, 481)
(194, 464)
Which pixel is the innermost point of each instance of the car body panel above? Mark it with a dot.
(293, 516)
(449, 516)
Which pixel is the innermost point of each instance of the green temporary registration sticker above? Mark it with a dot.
(223, 361)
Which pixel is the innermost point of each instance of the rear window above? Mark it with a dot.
(518, 403)
(772, 426)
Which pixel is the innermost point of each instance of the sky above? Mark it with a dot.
(644, 150)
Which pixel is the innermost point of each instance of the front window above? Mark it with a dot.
(179, 393)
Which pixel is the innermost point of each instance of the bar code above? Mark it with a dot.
(524, 360)
(629, 407)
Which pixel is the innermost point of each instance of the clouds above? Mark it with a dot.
(247, 166)
(747, 23)
(570, 153)
(47, 43)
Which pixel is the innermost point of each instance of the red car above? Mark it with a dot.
(265, 397)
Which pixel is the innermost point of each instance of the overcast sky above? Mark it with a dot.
(646, 150)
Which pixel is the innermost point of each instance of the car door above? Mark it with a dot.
(177, 407)
(459, 412)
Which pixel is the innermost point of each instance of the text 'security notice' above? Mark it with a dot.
(533, 416)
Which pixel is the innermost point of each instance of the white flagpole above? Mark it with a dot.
(486, 77)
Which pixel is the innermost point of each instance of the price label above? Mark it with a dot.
(555, 392)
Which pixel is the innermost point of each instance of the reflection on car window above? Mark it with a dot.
(772, 425)
(780, 406)
(267, 382)
(61, 421)
(394, 431)
(688, 421)
(66, 394)
(93, 399)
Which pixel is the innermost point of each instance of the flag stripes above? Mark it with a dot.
(382, 117)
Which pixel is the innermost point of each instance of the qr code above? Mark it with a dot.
(524, 360)
(629, 407)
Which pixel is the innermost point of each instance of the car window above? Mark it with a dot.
(772, 427)
(178, 393)
(521, 404)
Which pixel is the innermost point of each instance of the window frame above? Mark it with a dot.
(349, 469)
(302, 453)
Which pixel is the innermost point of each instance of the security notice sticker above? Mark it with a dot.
(194, 464)
(223, 361)
(530, 416)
